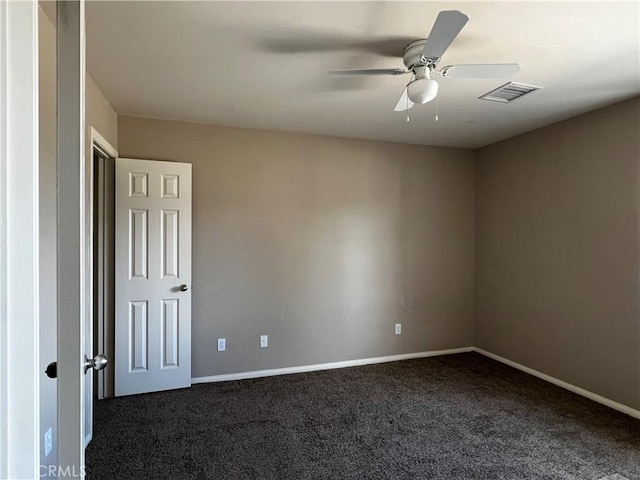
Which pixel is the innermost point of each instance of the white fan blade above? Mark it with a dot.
(495, 70)
(404, 103)
(444, 31)
(368, 71)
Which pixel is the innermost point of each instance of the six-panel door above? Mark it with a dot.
(153, 276)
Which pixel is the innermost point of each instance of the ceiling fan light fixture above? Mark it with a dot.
(422, 90)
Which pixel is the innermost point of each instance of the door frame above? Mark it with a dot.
(19, 242)
(105, 386)
(20, 436)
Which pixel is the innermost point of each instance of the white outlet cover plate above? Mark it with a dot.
(264, 341)
(222, 344)
(48, 442)
(398, 328)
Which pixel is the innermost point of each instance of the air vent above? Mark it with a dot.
(509, 92)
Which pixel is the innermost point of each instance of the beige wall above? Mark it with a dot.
(100, 115)
(321, 243)
(557, 251)
(325, 243)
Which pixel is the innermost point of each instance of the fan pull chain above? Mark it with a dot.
(436, 108)
(408, 107)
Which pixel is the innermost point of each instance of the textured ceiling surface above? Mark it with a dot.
(264, 64)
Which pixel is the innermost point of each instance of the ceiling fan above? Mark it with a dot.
(422, 56)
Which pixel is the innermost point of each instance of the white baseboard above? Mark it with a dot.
(325, 366)
(406, 356)
(567, 386)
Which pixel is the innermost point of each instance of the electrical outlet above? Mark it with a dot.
(48, 442)
(264, 341)
(222, 344)
(398, 328)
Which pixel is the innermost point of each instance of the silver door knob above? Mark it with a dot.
(184, 287)
(97, 363)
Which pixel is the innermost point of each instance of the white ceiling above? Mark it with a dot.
(264, 64)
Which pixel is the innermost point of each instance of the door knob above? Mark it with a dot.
(184, 287)
(97, 363)
(52, 370)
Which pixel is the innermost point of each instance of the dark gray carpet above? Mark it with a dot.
(452, 417)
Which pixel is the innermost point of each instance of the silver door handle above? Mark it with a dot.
(97, 363)
(183, 287)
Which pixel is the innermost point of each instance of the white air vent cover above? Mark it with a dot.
(508, 92)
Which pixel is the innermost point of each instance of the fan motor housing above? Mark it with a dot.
(412, 56)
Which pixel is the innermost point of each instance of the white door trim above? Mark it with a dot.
(19, 241)
(95, 140)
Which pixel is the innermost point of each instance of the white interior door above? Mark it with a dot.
(71, 238)
(153, 276)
